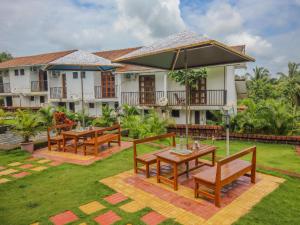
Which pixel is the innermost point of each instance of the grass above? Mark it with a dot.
(46, 193)
(280, 156)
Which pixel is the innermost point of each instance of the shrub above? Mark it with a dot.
(108, 118)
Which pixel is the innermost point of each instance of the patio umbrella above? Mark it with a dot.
(182, 51)
(81, 61)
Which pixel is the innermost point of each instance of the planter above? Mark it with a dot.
(27, 146)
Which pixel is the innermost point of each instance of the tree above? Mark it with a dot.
(259, 73)
(290, 84)
(193, 76)
(4, 56)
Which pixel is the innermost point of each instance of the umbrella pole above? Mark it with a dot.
(186, 99)
(82, 100)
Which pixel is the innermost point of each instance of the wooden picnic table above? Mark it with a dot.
(175, 160)
(76, 135)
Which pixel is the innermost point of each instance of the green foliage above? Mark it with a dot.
(75, 116)
(259, 73)
(128, 110)
(193, 76)
(4, 56)
(108, 118)
(266, 116)
(46, 114)
(150, 125)
(27, 124)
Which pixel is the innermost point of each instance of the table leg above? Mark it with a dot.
(187, 169)
(196, 162)
(76, 144)
(213, 158)
(175, 170)
(158, 170)
(64, 143)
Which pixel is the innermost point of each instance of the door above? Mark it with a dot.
(197, 117)
(1, 85)
(72, 106)
(64, 86)
(198, 94)
(147, 89)
(9, 101)
(108, 85)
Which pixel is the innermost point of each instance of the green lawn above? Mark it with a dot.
(67, 186)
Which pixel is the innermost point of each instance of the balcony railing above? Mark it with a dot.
(5, 88)
(57, 93)
(106, 91)
(39, 86)
(175, 98)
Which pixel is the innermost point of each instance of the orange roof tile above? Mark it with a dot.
(40, 59)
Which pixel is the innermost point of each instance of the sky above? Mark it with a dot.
(270, 29)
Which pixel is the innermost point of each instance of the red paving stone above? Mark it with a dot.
(2, 167)
(55, 163)
(26, 166)
(63, 218)
(205, 208)
(153, 218)
(107, 218)
(115, 198)
(20, 175)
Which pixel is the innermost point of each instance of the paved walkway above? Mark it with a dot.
(181, 205)
(79, 158)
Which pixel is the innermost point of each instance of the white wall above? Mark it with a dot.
(230, 87)
(20, 83)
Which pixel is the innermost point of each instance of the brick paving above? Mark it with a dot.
(79, 158)
(39, 168)
(8, 171)
(181, 205)
(4, 180)
(153, 218)
(21, 174)
(91, 207)
(132, 207)
(115, 198)
(15, 164)
(63, 218)
(107, 218)
(2, 167)
(26, 166)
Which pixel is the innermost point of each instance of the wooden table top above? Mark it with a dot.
(78, 133)
(173, 157)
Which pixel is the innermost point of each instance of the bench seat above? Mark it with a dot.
(149, 157)
(102, 139)
(230, 169)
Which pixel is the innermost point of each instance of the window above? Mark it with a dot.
(83, 75)
(42, 99)
(22, 72)
(75, 75)
(16, 72)
(32, 98)
(91, 105)
(175, 113)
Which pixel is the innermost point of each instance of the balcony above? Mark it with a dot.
(57, 93)
(106, 92)
(175, 98)
(5, 88)
(39, 86)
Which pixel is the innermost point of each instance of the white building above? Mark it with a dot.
(146, 87)
(23, 83)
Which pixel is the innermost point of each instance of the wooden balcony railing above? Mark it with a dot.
(5, 88)
(39, 86)
(175, 98)
(57, 93)
(106, 91)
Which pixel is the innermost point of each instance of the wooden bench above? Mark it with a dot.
(226, 171)
(149, 158)
(57, 138)
(97, 140)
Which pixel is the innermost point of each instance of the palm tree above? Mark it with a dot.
(259, 73)
(290, 84)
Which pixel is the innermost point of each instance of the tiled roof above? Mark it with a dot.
(114, 54)
(40, 59)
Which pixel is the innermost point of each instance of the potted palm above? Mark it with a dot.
(27, 124)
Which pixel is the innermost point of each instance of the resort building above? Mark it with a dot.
(149, 88)
(24, 82)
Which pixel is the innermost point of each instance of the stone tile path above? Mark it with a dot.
(91, 207)
(181, 205)
(115, 198)
(153, 218)
(108, 218)
(17, 170)
(63, 218)
(79, 158)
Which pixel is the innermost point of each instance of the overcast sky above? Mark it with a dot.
(269, 28)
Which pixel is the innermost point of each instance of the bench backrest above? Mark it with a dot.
(112, 128)
(233, 157)
(58, 128)
(154, 138)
